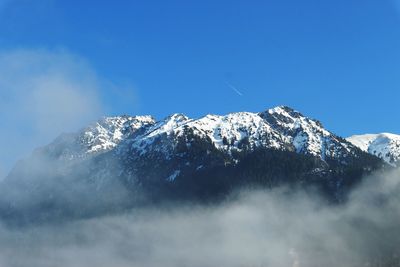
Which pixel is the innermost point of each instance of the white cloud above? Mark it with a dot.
(257, 228)
(43, 93)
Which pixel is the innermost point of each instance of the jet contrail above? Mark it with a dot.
(234, 88)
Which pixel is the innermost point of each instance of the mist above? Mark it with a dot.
(43, 92)
(254, 228)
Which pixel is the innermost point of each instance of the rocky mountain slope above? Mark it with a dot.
(180, 157)
(279, 128)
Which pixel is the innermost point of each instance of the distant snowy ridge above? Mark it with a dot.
(385, 145)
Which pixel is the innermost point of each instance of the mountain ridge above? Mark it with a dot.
(179, 157)
(278, 126)
(383, 145)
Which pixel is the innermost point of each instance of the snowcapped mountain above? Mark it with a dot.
(108, 132)
(182, 157)
(102, 136)
(306, 135)
(179, 145)
(385, 145)
(280, 128)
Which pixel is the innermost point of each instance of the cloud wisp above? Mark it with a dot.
(43, 93)
(234, 89)
(258, 228)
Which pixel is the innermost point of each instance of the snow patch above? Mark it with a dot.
(173, 176)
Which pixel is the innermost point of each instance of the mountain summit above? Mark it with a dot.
(280, 128)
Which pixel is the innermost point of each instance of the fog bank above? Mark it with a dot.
(258, 228)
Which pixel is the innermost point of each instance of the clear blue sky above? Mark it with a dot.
(337, 61)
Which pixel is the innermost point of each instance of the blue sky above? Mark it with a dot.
(337, 61)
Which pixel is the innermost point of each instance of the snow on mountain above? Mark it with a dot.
(226, 132)
(280, 128)
(308, 136)
(185, 157)
(384, 145)
(101, 136)
(108, 132)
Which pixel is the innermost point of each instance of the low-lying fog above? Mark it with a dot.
(259, 228)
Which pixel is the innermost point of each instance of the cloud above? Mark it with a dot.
(257, 228)
(43, 93)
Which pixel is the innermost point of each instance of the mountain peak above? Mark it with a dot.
(281, 108)
(280, 128)
(199, 157)
(106, 133)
